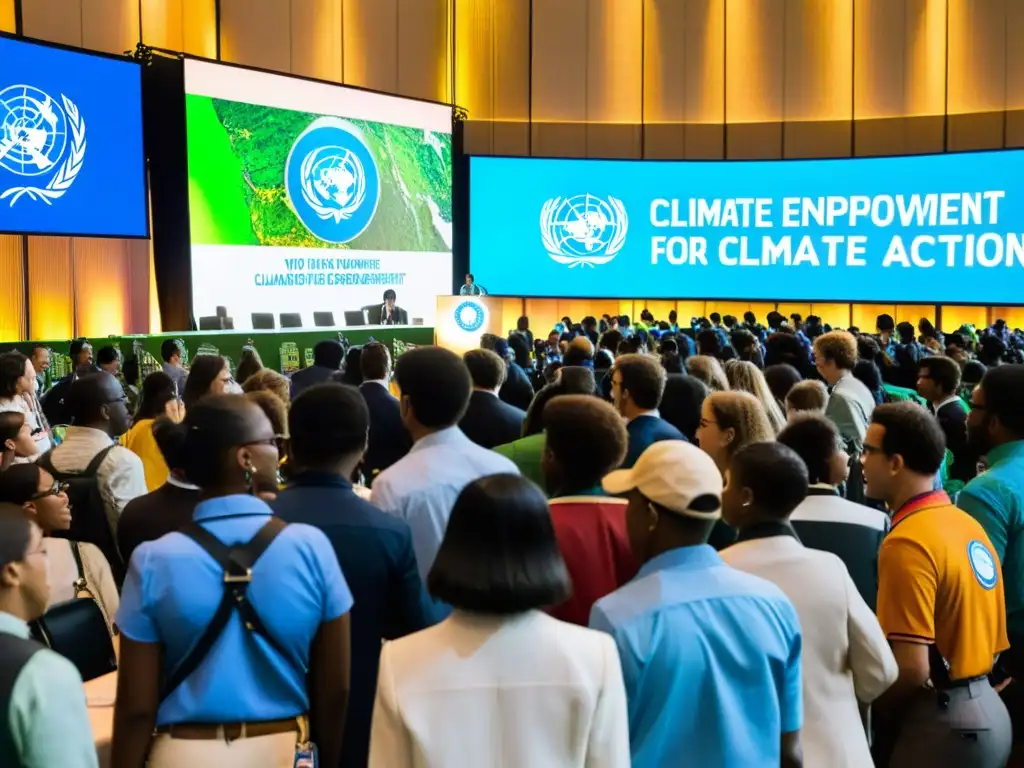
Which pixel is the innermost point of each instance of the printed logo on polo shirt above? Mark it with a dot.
(983, 564)
(585, 230)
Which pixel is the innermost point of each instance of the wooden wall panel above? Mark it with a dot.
(492, 74)
(424, 35)
(315, 27)
(865, 316)
(370, 43)
(559, 103)
(7, 17)
(101, 284)
(836, 315)
(684, 78)
(181, 25)
(256, 34)
(976, 77)
(912, 313)
(954, 317)
(110, 25)
(58, 21)
(12, 289)
(51, 299)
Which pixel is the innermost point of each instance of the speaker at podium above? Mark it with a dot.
(462, 320)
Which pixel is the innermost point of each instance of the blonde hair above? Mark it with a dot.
(744, 376)
(708, 370)
(839, 347)
(743, 413)
(807, 396)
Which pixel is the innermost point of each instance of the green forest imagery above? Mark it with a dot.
(245, 174)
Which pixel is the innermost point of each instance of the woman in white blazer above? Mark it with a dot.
(500, 683)
(846, 658)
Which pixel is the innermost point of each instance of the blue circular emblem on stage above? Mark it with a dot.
(983, 564)
(470, 316)
(332, 180)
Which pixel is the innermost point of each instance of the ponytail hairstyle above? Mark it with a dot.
(211, 427)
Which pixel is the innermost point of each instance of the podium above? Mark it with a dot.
(462, 320)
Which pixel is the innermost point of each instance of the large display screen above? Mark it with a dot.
(306, 197)
(71, 157)
(937, 228)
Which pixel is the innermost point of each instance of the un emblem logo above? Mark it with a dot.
(470, 316)
(332, 180)
(35, 142)
(583, 230)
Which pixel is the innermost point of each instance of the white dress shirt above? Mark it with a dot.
(422, 487)
(846, 657)
(120, 477)
(525, 691)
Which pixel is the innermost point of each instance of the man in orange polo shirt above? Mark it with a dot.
(940, 603)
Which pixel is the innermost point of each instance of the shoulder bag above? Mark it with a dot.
(78, 629)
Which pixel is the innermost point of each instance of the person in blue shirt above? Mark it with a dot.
(327, 428)
(710, 655)
(247, 699)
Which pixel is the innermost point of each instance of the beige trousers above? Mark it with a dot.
(274, 751)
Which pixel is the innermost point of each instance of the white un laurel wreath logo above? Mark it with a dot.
(470, 316)
(34, 142)
(332, 180)
(583, 230)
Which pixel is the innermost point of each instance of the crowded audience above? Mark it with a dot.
(622, 542)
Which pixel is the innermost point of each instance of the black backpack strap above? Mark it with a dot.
(94, 465)
(237, 563)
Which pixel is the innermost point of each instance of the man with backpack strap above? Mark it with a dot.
(102, 476)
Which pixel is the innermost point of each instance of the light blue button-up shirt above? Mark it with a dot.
(422, 487)
(47, 717)
(173, 589)
(711, 660)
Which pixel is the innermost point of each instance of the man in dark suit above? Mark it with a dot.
(388, 439)
(938, 382)
(328, 424)
(327, 356)
(489, 422)
(638, 382)
(165, 510)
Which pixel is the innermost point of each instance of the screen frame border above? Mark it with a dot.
(145, 150)
(469, 218)
(457, 156)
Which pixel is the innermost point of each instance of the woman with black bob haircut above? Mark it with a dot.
(192, 691)
(498, 658)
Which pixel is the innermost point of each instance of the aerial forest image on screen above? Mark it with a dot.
(277, 177)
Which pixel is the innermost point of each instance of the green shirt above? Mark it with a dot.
(48, 718)
(996, 500)
(525, 453)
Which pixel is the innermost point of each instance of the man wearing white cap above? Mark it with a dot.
(710, 655)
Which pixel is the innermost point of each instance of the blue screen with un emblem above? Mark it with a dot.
(71, 156)
(931, 228)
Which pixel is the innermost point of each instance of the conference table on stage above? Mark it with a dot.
(99, 696)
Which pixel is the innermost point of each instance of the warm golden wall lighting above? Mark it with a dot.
(51, 313)
(12, 282)
(684, 61)
(615, 51)
(954, 317)
(819, 60)
(926, 57)
(181, 25)
(754, 61)
(977, 55)
(7, 16)
(475, 57)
